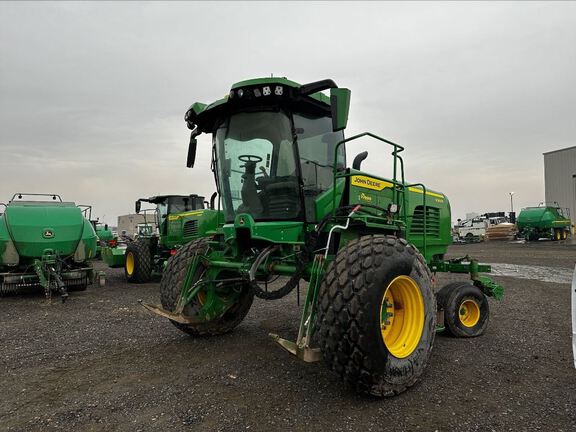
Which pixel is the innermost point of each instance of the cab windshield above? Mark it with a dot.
(256, 166)
(261, 172)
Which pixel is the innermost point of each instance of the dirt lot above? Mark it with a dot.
(101, 362)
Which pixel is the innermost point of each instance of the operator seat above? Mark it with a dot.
(280, 199)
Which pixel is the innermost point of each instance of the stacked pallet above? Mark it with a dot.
(503, 231)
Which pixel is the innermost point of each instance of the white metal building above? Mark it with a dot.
(560, 178)
(129, 223)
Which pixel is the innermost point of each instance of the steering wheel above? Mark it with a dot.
(250, 158)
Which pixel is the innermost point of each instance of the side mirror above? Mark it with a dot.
(138, 206)
(340, 106)
(191, 151)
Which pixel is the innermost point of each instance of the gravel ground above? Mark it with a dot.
(101, 362)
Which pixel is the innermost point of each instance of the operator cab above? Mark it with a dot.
(170, 204)
(268, 162)
(274, 145)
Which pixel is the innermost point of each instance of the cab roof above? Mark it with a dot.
(161, 198)
(261, 93)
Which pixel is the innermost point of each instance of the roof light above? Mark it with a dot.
(257, 92)
(240, 93)
(278, 91)
(231, 94)
(266, 91)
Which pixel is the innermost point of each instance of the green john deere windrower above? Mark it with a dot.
(293, 210)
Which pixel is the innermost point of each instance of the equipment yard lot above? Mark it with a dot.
(102, 362)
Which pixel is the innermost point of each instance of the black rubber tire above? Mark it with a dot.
(82, 285)
(142, 272)
(348, 319)
(171, 283)
(451, 296)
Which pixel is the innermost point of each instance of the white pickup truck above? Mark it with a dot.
(476, 227)
(472, 228)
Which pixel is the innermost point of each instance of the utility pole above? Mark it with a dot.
(511, 202)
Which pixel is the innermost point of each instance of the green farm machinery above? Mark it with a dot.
(104, 235)
(544, 221)
(367, 245)
(45, 242)
(180, 219)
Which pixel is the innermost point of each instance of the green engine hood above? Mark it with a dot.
(34, 227)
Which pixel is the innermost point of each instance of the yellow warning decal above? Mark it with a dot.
(180, 215)
(418, 190)
(369, 182)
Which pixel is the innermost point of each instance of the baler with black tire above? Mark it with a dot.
(367, 245)
(45, 243)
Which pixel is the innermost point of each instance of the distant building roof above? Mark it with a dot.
(561, 150)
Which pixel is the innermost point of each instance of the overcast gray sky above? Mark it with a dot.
(92, 95)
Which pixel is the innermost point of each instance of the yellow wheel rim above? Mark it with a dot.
(402, 316)
(469, 313)
(129, 263)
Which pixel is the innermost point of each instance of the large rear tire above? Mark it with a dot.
(377, 315)
(138, 262)
(466, 309)
(171, 285)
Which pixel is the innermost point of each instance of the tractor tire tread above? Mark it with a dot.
(142, 262)
(342, 311)
(170, 286)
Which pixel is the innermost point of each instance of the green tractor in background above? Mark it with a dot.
(367, 245)
(45, 243)
(179, 219)
(544, 221)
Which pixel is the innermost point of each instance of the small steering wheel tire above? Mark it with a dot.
(466, 309)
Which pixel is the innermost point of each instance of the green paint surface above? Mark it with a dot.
(35, 227)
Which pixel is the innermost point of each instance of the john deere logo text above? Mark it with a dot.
(369, 183)
(48, 233)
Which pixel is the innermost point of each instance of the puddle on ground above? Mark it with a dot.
(541, 273)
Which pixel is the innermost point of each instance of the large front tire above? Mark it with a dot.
(171, 285)
(377, 315)
(138, 262)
